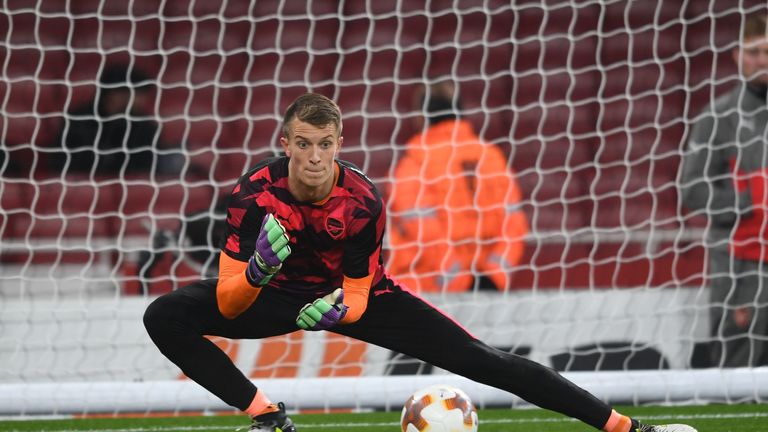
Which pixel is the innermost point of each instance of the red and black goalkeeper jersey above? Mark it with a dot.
(342, 236)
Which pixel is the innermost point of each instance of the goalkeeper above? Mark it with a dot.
(303, 251)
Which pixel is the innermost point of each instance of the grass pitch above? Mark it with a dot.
(710, 418)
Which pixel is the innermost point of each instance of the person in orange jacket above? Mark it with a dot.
(456, 221)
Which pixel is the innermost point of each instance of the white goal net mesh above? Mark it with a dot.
(590, 103)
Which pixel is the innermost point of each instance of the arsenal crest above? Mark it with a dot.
(334, 227)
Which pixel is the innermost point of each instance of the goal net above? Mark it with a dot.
(590, 103)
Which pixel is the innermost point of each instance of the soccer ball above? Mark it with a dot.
(439, 408)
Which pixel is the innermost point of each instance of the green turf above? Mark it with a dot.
(711, 418)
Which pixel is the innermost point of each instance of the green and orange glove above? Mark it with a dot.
(272, 249)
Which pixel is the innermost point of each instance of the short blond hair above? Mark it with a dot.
(314, 109)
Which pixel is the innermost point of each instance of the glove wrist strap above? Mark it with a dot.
(263, 266)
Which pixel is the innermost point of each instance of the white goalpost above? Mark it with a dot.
(590, 101)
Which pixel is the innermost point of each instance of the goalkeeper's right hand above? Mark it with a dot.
(271, 250)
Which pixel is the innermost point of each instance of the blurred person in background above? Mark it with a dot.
(113, 133)
(456, 222)
(725, 176)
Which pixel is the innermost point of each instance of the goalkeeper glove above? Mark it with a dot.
(271, 250)
(323, 313)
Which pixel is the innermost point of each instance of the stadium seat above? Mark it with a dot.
(680, 263)
(264, 132)
(291, 69)
(621, 80)
(555, 52)
(223, 69)
(629, 41)
(486, 94)
(375, 33)
(656, 147)
(373, 131)
(463, 27)
(471, 62)
(493, 127)
(141, 206)
(206, 35)
(532, 88)
(16, 198)
(639, 110)
(30, 28)
(269, 101)
(552, 154)
(553, 266)
(631, 196)
(102, 36)
(553, 200)
(50, 209)
(275, 35)
(136, 8)
(208, 100)
(380, 98)
(31, 111)
(496, 24)
(553, 121)
(537, 20)
(361, 66)
(375, 9)
(23, 62)
(192, 134)
(293, 9)
(195, 9)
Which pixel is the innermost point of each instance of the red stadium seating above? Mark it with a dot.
(535, 21)
(205, 36)
(54, 210)
(137, 8)
(592, 127)
(552, 154)
(141, 206)
(195, 9)
(553, 201)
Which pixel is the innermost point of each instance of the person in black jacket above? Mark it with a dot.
(112, 135)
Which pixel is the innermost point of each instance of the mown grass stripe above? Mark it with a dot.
(361, 425)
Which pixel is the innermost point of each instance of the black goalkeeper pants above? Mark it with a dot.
(395, 319)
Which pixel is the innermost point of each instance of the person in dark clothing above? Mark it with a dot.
(112, 134)
(725, 177)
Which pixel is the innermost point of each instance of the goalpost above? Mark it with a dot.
(590, 101)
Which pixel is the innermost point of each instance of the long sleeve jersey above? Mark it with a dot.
(335, 243)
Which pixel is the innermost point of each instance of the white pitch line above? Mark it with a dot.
(389, 424)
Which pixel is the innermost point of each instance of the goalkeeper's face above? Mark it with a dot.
(312, 151)
(753, 60)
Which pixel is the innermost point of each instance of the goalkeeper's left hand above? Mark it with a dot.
(323, 313)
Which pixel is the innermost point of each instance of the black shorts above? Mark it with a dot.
(395, 319)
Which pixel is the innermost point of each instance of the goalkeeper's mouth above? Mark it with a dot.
(318, 174)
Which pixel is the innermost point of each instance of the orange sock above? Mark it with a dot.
(260, 405)
(617, 423)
